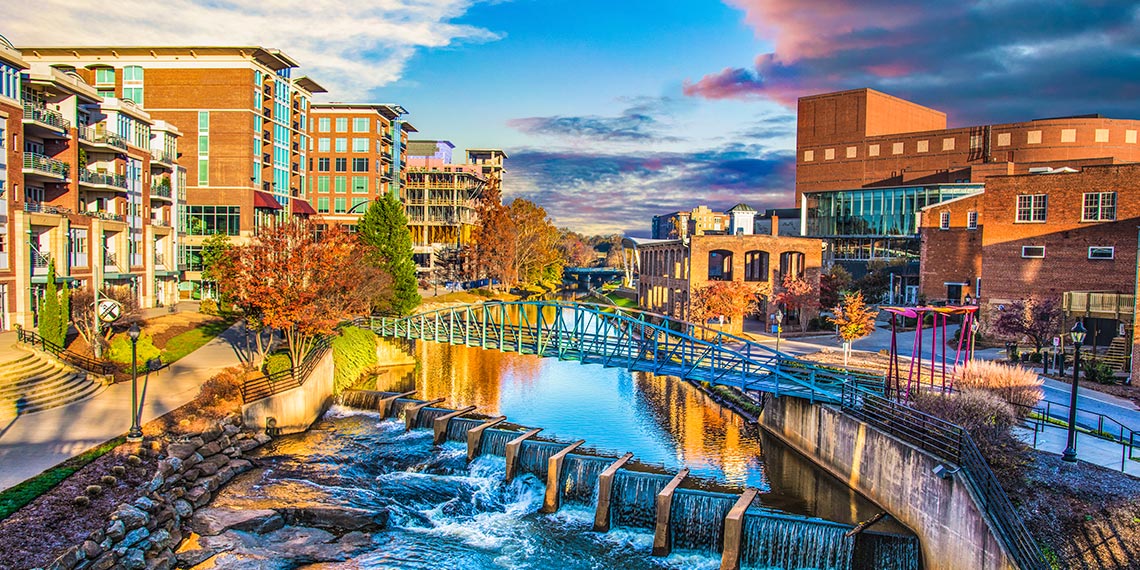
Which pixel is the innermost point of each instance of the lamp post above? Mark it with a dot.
(974, 326)
(779, 316)
(1078, 336)
(135, 434)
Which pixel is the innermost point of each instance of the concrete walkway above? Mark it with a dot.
(34, 442)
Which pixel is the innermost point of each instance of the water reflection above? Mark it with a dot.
(662, 420)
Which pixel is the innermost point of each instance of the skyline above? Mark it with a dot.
(614, 113)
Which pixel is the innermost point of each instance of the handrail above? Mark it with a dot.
(1038, 417)
(78, 360)
(253, 389)
(952, 444)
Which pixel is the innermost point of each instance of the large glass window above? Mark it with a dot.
(105, 76)
(1099, 207)
(359, 184)
(341, 205)
(360, 165)
(720, 265)
(1031, 207)
(323, 205)
(756, 266)
(360, 145)
(792, 263)
(322, 184)
(323, 124)
(358, 205)
(342, 165)
(322, 165)
(341, 145)
(323, 145)
(342, 125)
(341, 184)
(360, 125)
(209, 220)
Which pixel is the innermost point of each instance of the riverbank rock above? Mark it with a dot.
(212, 521)
(283, 547)
(337, 519)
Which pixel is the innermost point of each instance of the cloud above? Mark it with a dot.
(634, 124)
(605, 193)
(350, 48)
(982, 60)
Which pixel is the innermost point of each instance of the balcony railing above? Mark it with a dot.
(41, 208)
(103, 178)
(160, 189)
(46, 116)
(159, 259)
(162, 156)
(103, 215)
(1098, 304)
(39, 260)
(110, 259)
(159, 223)
(100, 136)
(46, 165)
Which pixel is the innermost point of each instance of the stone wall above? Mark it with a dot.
(146, 532)
(952, 530)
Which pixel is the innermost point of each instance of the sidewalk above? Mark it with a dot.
(1091, 449)
(34, 442)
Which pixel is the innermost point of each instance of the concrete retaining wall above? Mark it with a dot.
(390, 353)
(295, 410)
(951, 529)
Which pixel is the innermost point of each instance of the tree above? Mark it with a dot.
(53, 310)
(384, 228)
(537, 258)
(493, 250)
(853, 319)
(303, 286)
(214, 249)
(832, 284)
(1036, 317)
(575, 250)
(84, 314)
(729, 299)
(798, 295)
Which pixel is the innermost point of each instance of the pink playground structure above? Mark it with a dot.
(938, 374)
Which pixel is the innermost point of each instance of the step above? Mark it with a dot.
(59, 383)
(62, 400)
(25, 368)
(38, 378)
(17, 361)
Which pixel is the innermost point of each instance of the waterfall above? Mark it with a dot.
(778, 541)
(697, 519)
(533, 456)
(362, 399)
(457, 428)
(886, 552)
(494, 441)
(428, 415)
(580, 478)
(399, 406)
(634, 498)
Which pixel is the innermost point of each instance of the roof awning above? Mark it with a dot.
(262, 200)
(303, 208)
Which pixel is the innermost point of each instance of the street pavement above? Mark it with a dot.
(31, 443)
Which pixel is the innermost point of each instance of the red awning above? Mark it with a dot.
(302, 208)
(262, 200)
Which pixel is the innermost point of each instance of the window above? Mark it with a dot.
(203, 121)
(342, 145)
(135, 94)
(1033, 251)
(340, 205)
(1099, 207)
(360, 125)
(1102, 252)
(209, 220)
(359, 145)
(809, 155)
(322, 184)
(341, 186)
(323, 125)
(944, 222)
(323, 145)
(322, 165)
(971, 220)
(342, 165)
(132, 73)
(358, 205)
(756, 266)
(360, 165)
(1031, 207)
(342, 125)
(720, 265)
(203, 144)
(323, 205)
(203, 172)
(360, 184)
(105, 76)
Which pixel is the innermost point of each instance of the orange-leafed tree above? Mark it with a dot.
(799, 295)
(288, 279)
(853, 319)
(729, 299)
(493, 250)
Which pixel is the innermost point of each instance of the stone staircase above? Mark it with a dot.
(35, 382)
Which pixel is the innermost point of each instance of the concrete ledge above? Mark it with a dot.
(734, 530)
(386, 403)
(412, 413)
(605, 491)
(475, 436)
(439, 425)
(294, 410)
(554, 477)
(512, 452)
(662, 542)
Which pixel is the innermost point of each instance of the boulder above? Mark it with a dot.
(134, 537)
(215, 521)
(181, 450)
(116, 530)
(183, 508)
(133, 560)
(337, 518)
(132, 516)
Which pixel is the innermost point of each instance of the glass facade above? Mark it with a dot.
(209, 220)
(876, 212)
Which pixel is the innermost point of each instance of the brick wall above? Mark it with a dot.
(953, 255)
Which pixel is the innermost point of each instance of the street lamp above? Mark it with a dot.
(974, 326)
(135, 434)
(1077, 334)
(779, 316)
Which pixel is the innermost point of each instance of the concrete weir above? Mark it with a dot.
(605, 493)
(554, 477)
(414, 412)
(386, 403)
(734, 530)
(662, 545)
(475, 436)
(513, 452)
(439, 425)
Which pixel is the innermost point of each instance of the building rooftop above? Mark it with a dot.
(272, 58)
(388, 110)
(742, 207)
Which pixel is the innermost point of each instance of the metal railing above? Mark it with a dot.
(77, 360)
(162, 156)
(39, 260)
(103, 215)
(253, 389)
(951, 444)
(159, 259)
(40, 163)
(103, 178)
(1095, 424)
(46, 116)
(160, 189)
(41, 208)
(110, 259)
(101, 136)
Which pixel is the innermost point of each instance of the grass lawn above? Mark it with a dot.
(186, 342)
(14, 498)
(622, 301)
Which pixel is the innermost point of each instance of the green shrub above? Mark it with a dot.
(354, 351)
(277, 362)
(1035, 358)
(1098, 371)
(208, 306)
(120, 351)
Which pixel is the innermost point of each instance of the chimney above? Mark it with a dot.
(775, 225)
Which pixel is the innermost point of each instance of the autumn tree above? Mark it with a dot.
(302, 285)
(384, 228)
(799, 295)
(729, 299)
(832, 284)
(1038, 318)
(84, 314)
(493, 250)
(853, 319)
(53, 311)
(574, 249)
(537, 259)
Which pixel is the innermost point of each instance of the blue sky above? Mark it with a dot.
(614, 111)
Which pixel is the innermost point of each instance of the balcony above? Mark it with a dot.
(43, 167)
(110, 262)
(102, 179)
(39, 262)
(386, 138)
(46, 122)
(160, 189)
(100, 138)
(99, 214)
(159, 223)
(1099, 304)
(41, 208)
(159, 260)
(162, 158)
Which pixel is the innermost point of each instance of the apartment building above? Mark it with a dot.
(679, 225)
(440, 199)
(247, 113)
(357, 155)
(96, 192)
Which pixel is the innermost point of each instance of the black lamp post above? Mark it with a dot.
(135, 434)
(1078, 336)
(779, 316)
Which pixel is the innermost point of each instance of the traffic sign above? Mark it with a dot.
(109, 310)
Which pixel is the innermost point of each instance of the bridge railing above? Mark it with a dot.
(953, 445)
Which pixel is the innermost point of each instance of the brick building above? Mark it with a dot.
(440, 200)
(357, 157)
(679, 225)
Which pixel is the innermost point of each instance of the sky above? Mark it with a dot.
(614, 111)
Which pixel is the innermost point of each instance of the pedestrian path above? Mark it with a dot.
(31, 443)
(1107, 454)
